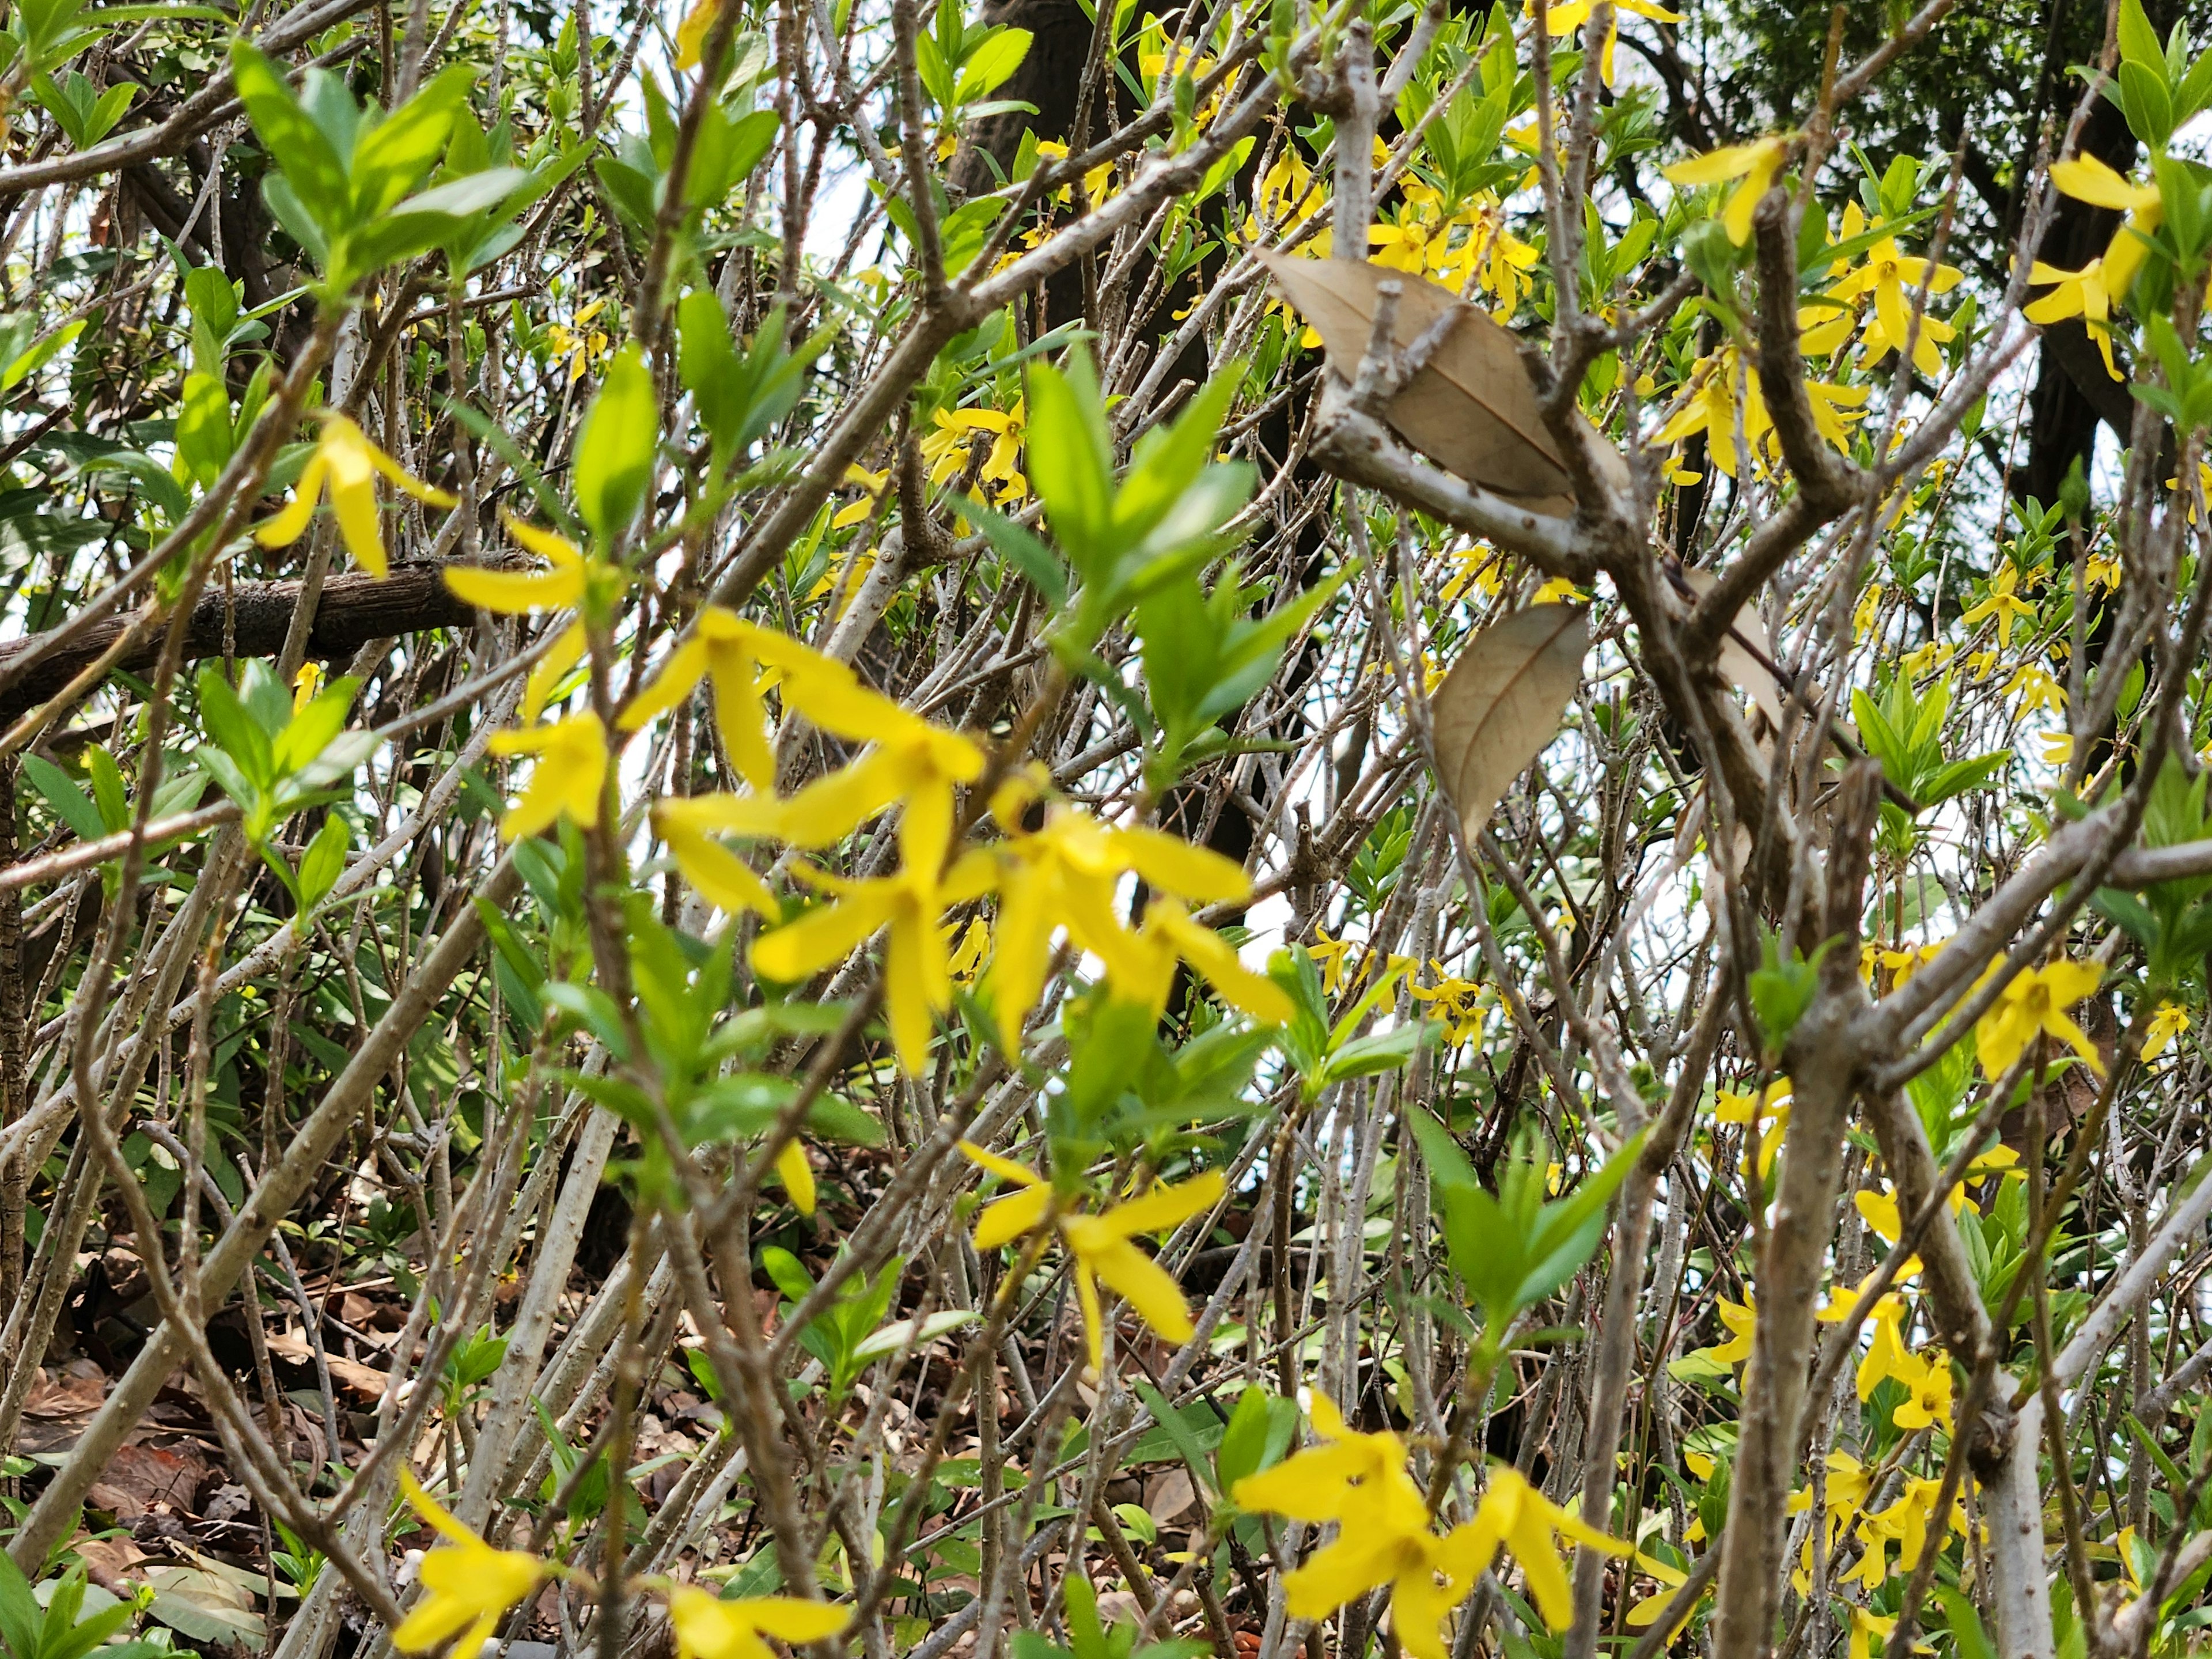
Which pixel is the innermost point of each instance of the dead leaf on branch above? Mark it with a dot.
(1502, 702)
(1746, 651)
(1472, 408)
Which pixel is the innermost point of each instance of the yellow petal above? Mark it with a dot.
(789, 1619)
(553, 667)
(1142, 1283)
(722, 878)
(2086, 179)
(288, 525)
(1211, 954)
(685, 667)
(512, 593)
(1005, 1168)
(798, 1177)
(1166, 1207)
(1015, 1216)
(1174, 865)
(821, 937)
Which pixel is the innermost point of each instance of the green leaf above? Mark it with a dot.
(615, 454)
(61, 792)
(323, 862)
(1070, 458)
(989, 66)
(292, 139)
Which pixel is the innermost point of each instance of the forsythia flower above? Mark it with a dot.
(908, 760)
(2036, 688)
(689, 824)
(917, 974)
(1756, 165)
(2002, 602)
(1739, 1321)
(1565, 18)
(1065, 875)
(2086, 293)
(570, 775)
(348, 463)
(1359, 1481)
(2086, 179)
(706, 1628)
(1170, 936)
(1767, 1114)
(730, 651)
(2035, 1003)
(2168, 1023)
(1886, 276)
(691, 32)
(944, 450)
(516, 593)
(467, 1587)
(1099, 1244)
(1712, 411)
(576, 342)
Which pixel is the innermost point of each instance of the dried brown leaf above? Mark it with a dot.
(1472, 408)
(1501, 703)
(1741, 650)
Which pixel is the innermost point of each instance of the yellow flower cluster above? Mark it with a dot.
(469, 1587)
(1100, 1244)
(1360, 1482)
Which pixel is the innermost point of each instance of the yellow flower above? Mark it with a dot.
(709, 1629)
(967, 957)
(944, 450)
(1886, 276)
(467, 1587)
(2086, 179)
(2002, 602)
(2088, 294)
(2034, 1005)
(1099, 1244)
(917, 974)
(1711, 409)
(2035, 687)
(1329, 955)
(689, 824)
(516, 593)
(1767, 1114)
(1740, 1322)
(1463, 1004)
(2168, 1023)
(1170, 936)
(797, 1175)
(1928, 1402)
(1755, 164)
(305, 683)
(1514, 1514)
(691, 32)
(871, 487)
(909, 761)
(570, 775)
(1359, 1481)
(728, 650)
(1065, 875)
(1927, 1382)
(1565, 19)
(576, 342)
(348, 463)
(567, 651)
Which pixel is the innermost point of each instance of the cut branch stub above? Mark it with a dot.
(1471, 408)
(1501, 703)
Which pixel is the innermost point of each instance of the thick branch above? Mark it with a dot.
(355, 609)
